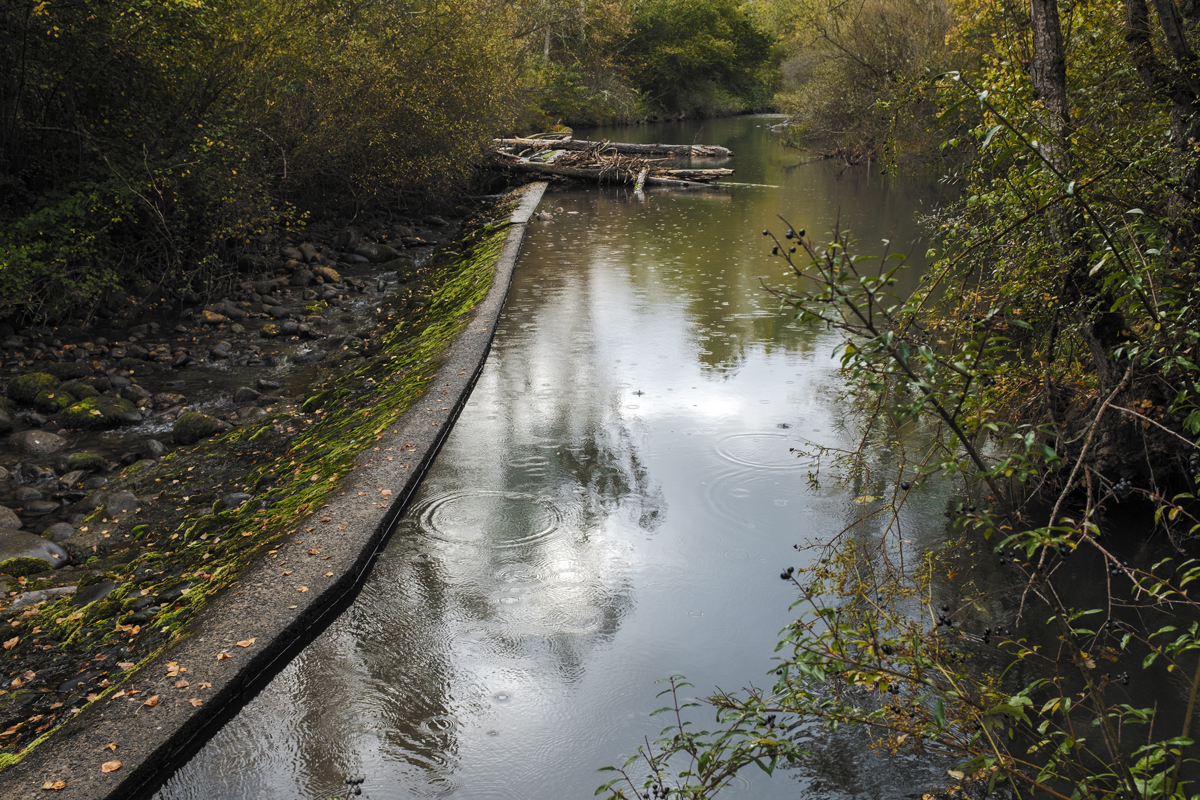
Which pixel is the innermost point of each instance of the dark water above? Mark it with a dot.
(613, 506)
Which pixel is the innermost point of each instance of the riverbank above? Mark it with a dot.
(290, 513)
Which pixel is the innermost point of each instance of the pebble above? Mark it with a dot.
(9, 518)
(26, 599)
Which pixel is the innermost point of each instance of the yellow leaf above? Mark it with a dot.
(110, 766)
(54, 785)
(245, 642)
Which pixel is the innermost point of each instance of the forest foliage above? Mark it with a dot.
(148, 145)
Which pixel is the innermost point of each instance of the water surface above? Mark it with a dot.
(613, 506)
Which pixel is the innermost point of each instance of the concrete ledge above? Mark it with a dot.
(247, 634)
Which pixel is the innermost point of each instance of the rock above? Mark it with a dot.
(291, 253)
(96, 413)
(58, 532)
(435, 220)
(25, 389)
(89, 462)
(234, 499)
(37, 443)
(5, 474)
(309, 253)
(165, 400)
(95, 482)
(233, 312)
(80, 390)
(16, 544)
(302, 277)
(139, 465)
(245, 394)
(51, 401)
(212, 318)
(9, 518)
(269, 330)
(40, 508)
(135, 394)
(72, 478)
(154, 448)
(348, 239)
(26, 494)
(268, 385)
(26, 599)
(193, 426)
(90, 594)
(69, 370)
(248, 413)
(121, 503)
(401, 264)
(5, 421)
(327, 274)
(375, 253)
(278, 312)
(220, 350)
(290, 327)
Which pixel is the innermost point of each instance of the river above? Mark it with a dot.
(613, 506)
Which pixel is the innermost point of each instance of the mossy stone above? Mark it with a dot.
(69, 370)
(86, 461)
(80, 390)
(97, 413)
(21, 566)
(192, 426)
(51, 401)
(26, 388)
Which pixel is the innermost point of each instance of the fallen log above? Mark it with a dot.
(694, 150)
(597, 175)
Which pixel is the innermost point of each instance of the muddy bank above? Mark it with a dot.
(235, 548)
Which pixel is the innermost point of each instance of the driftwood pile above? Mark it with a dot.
(609, 162)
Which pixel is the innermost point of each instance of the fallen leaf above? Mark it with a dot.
(110, 766)
(151, 701)
(196, 702)
(125, 664)
(246, 642)
(205, 685)
(222, 655)
(385, 491)
(54, 785)
(11, 643)
(286, 572)
(301, 588)
(326, 519)
(313, 552)
(111, 746)
(16, 683)
(181, 684)
(114, 697)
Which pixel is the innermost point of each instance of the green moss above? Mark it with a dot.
(80, 390)
(97, 413)
(86, 461)
(51, 401)
(26, 388)
(22, 566)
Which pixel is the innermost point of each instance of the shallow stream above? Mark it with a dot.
(613, 506)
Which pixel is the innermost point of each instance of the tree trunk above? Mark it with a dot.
(694, 150)
(1048, 72)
